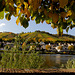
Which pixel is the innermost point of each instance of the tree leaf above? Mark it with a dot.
(67, 29)
(63, 14)
(69, 13)
(53, 26)
(17, 11)
(37, 20)
(63, 3)
(32, 18)
(55, 18)
(48, 21)
(2, 14)
(8, 16)
(17, 21)
(17, 2)
(2, 5)
(24, 22)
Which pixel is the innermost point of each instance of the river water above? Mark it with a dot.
(56, 60)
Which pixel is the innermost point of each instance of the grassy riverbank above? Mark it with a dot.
(40, 52)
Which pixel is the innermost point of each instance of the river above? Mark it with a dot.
(56, 60)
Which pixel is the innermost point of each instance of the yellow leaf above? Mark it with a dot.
(63, 3)
(26, 5)
(33, 18)
(19, 5)
(17, 21)
(69, 13)
(17, 11)
(26, 11)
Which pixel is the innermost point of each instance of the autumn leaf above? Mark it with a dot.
(17, 11)
(69, 13)
(24, 22)
(67, 29)
(63, 3)
(8, 16)
(17, 21)
(2, 14)
(32, 18)
(55, 18)
(63, 14)
(50, 14)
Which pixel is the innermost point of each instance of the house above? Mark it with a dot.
(42, 43)
(59, 48)
(69, 44)
(43, 47)
(49, 44)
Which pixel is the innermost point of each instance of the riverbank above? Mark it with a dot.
(40, 52)
(37, 70)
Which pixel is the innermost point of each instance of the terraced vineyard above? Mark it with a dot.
(37, 35)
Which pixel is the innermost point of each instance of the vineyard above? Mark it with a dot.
(37, 36)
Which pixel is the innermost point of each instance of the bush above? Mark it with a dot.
(7, 47)
(70, 64)
(21, 61)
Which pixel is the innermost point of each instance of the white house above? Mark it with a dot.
(43, 47)
(58, 49)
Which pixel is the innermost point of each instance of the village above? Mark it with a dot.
(41, 46)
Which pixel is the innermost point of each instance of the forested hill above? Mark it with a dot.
(37, 35)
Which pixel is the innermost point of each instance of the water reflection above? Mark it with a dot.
(56, 60)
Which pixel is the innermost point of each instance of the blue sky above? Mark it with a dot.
(11, 26)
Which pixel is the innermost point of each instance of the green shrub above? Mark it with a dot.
(21, 61)
(7, 47)
(69, 64)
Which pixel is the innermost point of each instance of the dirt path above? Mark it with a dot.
(37, 70)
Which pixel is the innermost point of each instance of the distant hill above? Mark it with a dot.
(6, 36)
(37, 35)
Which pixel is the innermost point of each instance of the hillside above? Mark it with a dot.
(7, 36)
(37, 35)
(47, 36)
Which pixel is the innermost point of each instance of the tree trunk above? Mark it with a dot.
(59, 31)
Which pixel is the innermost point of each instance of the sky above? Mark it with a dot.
(11, 26)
